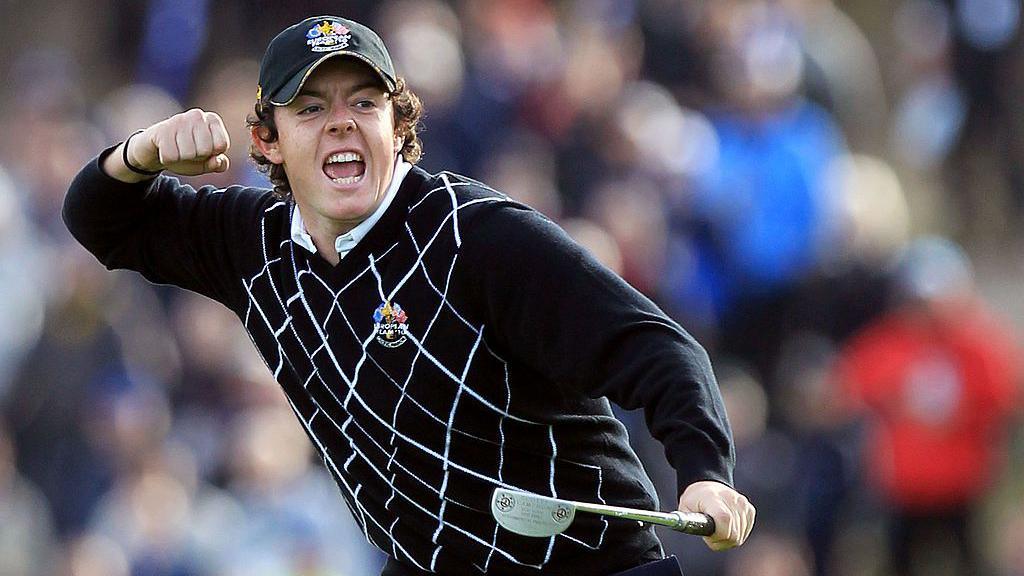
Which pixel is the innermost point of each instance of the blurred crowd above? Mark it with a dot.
(829, 195)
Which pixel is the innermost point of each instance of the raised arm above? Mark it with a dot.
(129, 215)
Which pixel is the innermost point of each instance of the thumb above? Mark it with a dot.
(218, 163)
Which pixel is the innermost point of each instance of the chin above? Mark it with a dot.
(353, 211)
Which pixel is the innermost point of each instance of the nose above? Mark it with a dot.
(341, 123)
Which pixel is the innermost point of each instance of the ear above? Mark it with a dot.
(270, 150)
(399, 143)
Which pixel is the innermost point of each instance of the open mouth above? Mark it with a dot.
(345, 167)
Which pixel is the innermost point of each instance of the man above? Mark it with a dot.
(435, 339)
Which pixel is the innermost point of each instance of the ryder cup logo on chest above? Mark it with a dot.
(328, 35)
(389, 324)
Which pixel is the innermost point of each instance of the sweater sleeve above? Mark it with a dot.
(555, 308)
(169, 232)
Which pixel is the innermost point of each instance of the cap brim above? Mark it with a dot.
(291, 88)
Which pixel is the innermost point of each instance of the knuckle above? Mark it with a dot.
(720, 510)
(191, 118)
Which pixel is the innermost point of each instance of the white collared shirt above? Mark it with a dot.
(347, 241)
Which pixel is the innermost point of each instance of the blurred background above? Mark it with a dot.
(828, 194)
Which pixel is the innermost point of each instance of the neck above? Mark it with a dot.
(324, 234)
(328, 253)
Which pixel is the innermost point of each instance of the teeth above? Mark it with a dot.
(347, 180)
(345, 157)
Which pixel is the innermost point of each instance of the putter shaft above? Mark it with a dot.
(693, 523)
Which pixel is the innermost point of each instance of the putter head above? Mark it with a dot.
(531, 514)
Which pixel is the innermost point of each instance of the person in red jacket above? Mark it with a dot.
(936, 380)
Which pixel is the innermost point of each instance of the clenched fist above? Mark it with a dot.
(190, 143)
(733, 513)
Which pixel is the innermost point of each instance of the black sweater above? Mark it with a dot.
(491, 365)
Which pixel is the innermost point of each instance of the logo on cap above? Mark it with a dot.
(328, 35)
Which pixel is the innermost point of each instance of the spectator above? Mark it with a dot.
(26, 536)
(758, 220)
(936, 380)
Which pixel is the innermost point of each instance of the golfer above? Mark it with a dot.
(435, 339)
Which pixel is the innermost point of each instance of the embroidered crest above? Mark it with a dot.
(328, 35)
(390, 324)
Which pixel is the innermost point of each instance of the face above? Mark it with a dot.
(336, 141)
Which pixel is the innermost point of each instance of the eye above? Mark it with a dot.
(366, 104)
(310, 109)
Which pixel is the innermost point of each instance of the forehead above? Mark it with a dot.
(342, 73)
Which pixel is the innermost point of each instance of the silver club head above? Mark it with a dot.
(534, 515)
(531, 514)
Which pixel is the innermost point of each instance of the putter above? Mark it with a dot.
(535, 515)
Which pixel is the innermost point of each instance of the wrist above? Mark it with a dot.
(702, 487)
(132, 163)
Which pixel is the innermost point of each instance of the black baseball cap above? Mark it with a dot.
(294, 53)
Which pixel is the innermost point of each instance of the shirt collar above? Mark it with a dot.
(348, 240)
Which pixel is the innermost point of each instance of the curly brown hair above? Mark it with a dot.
(407, 108)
